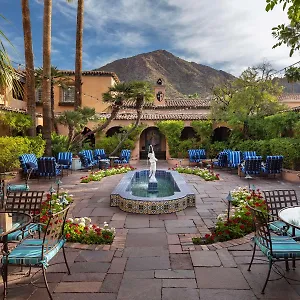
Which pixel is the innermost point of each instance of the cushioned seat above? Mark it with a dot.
(280, 228)
(17, 188)
(20, 234)
(29, 252)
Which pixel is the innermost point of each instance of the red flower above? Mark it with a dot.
(68, 235)
(248, 213)
(207, 236)
(86, 228)
(242, 226)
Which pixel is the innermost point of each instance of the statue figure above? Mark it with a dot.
(152, 160)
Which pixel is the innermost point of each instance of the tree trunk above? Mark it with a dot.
(52, 108)
(70, 136)
(139, 111)
(30, 81)
(78, 56)
(47, 121)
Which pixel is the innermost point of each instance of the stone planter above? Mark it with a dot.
(291, 175)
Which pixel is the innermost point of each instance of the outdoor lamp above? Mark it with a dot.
(229, 199)
(248, 177)
(253, 188)
(58, 182)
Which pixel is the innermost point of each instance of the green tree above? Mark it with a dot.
(29, 64)
(57, 78)
(287, 34)
(252, 94)
(292, 75)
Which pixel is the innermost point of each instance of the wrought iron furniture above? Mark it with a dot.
(222, 160)
(273, 165)
(275, 248)
(64, 159)
(234, 159)
(277, 200)
(196, 155)
(251, 165)
(124, 157)
(28, 202)
(20, 187)
(47, 167)
(28, 162)
(87, 159)
(39, 252)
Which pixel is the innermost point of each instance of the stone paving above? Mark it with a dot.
(152, 256)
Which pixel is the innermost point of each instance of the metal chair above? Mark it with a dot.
(47, 167)
(277, 200)
(39, 252)
(29, 202)
(87, 159)
(248, 154)
(275, 248)
(273, 165)
(124, 157)
(64, 159)
(234, 159)
(251, 165)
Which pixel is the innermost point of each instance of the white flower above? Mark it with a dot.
(82, 220)
(76, 220)
(81, 224)
(87, 220)
(71, 220)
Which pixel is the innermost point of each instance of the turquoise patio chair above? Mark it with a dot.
(39, 252)
(275, 248)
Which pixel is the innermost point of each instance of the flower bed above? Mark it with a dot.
(80, 230)
(206, 174)
(240, 221)
(97, 176)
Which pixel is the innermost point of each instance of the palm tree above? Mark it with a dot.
(47, 120)
(57, 78)
(30, 84)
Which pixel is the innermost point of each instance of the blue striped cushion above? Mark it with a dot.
(248, 154)
(282, 247)
(29, 252)
(19, 234)
(278, 226)
(18, 188)
(28, 158)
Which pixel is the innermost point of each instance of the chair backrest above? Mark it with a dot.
(274, 164)
(47, 166)
(29, 202)
(222, 159)
(125, 154)
(99, 154)
(65, 157)
(278, 199)
(54, 231)
(248, 154)
(253, 164)
(234, 158)
(201, 153)
(27, 158)
(262, 232)
(88, 154)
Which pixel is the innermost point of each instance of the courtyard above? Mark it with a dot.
(152, 256)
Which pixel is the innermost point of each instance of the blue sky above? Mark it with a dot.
(224, 34)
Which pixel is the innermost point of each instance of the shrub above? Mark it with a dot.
(109, 144)
(12, 147)
(59, 143)
(207, 175)
(215, 148)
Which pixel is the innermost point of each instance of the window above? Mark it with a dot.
(68, 94)
(38, 95)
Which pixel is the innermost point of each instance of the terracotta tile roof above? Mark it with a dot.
(93, 73)
(18, 110)
(287, 97)
(156, 116)
(177, 102)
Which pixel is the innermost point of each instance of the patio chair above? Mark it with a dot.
(124, 157)
(87, 159)
(234, 159)
(275, 248)
(28, 162)
(277, 200)
(194, 156)
(248, 153)
(20, 187)
(39, 252)
(222, 160)
(64, 159)
(47, 167)
(100, 154)
(273, 165)
(251, 165)
(29, 202)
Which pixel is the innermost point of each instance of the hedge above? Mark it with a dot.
(12, 147)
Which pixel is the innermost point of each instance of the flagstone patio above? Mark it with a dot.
(152, 257)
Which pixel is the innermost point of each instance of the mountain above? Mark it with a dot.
(180, 76)
(290, 88)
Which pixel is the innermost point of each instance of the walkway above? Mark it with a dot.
(152, 257)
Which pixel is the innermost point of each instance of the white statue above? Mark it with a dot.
(152, 160)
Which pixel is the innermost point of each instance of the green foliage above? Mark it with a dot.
(215, 148)
(59, 143)
(207, 175)
(16, 122)
(204, 131)
(296, 129)
(184, 146)
(12, 147)
(172, 131)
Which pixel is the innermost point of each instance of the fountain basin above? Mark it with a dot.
(132, 195)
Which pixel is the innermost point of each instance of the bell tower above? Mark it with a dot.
(159, 93)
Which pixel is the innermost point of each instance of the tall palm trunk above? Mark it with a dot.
(78, 57)
(52, 108)
(139, 111)
(30, 81)
(47, 121)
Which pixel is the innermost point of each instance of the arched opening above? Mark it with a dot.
(113, 130)
(90, 139)
(39, 129)
(221, 134)
(152, 136)
(187, 133)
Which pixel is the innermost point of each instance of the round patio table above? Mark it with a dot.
(112, 158)
(10, 222)
(291, 216)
